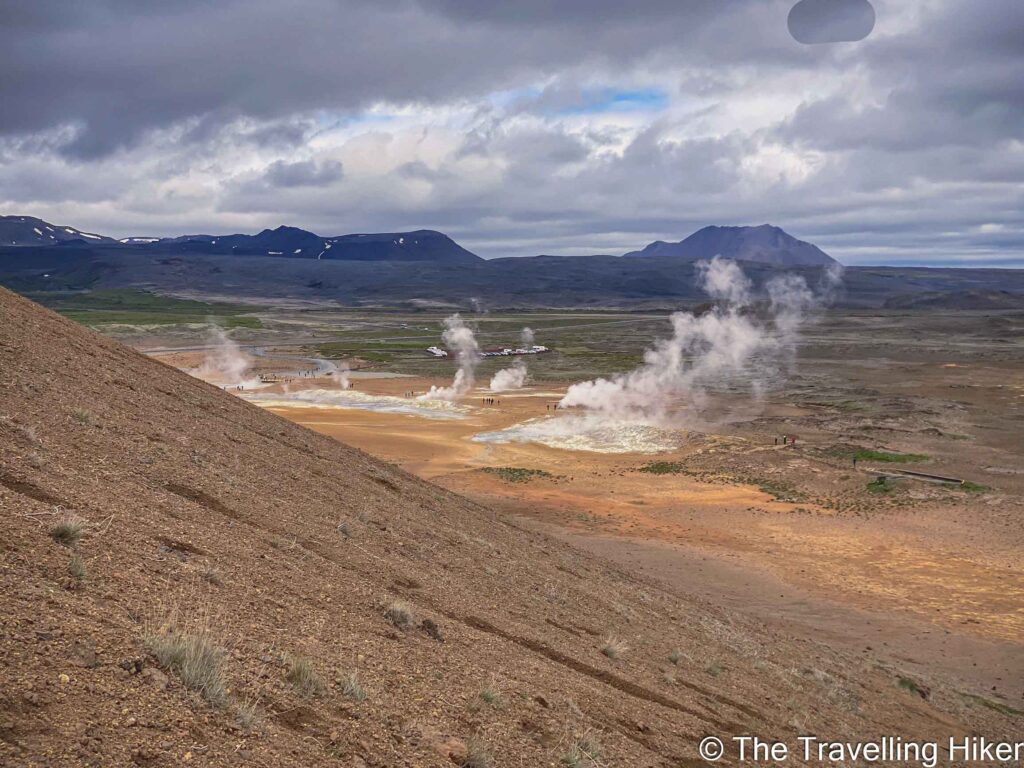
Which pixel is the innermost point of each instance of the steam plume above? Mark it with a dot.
(225, 364)
(513, 377)
(738, 343)
(338, 371)
(459, 337)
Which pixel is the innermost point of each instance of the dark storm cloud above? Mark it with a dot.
(305, 173)
(115, 69)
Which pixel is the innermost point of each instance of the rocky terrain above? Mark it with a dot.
(190, 580)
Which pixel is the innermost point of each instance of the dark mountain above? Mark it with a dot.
(28, 230)
(283, 241)
(290, 242)
(421, 245)
(764, 244)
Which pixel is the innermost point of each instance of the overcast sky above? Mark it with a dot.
(524, 127)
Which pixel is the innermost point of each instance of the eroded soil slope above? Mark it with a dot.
(205, 517)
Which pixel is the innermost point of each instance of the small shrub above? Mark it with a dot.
(889, 457)
(663, 468)
(910, 686)
(195, 658)
(304, 677)
(489, 695)
(517, 474)
(675, 657)
(353, 688)
(971, 487)
(613, 647)
(401, 615)
(584, 752)
(84, 416)
(714, 670)
(995, 706)
(29, 435)
(247, 714)
(880, 485)
(345, 529)
(212, 576)
(68, 531)
(76, 567)
(477, 756)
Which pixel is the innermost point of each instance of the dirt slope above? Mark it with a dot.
(201, 510)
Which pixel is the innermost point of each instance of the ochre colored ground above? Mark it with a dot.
(929, 597)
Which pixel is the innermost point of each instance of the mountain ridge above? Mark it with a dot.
(32, 231)
(765, 244)
(285, 241)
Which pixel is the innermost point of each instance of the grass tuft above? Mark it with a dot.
(995, 706)
(304, 677)
(353, 688)
(211, 575)
(971, 487)
(675, 657)
(489, 695)
(68, 532)
(84, 416)
(584, 752)
(76, 567)
(613, 647)
(477, 756)
(194, 657)
(911, 686)
(880, 485)
(401, 615)
(247, 714)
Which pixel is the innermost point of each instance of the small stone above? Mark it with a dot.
(156, 678)
(452, 748)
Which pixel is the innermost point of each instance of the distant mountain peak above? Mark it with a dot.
(764, 243)
(29, 230)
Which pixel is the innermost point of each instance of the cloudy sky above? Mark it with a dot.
(524, 127)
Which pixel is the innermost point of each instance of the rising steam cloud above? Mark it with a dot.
(458, 337)
(339, 372)
(225, 364)
(513, 377)
(740, 344)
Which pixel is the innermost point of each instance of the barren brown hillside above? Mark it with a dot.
(205, 519)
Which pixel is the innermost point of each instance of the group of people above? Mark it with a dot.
(786, 440)
(490, 401)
